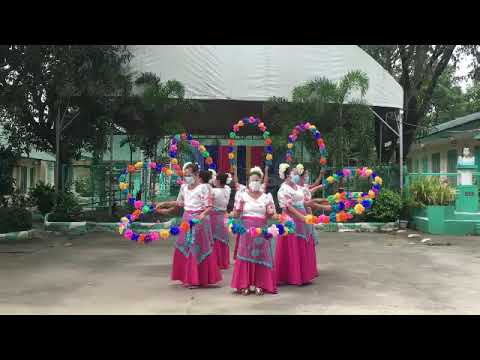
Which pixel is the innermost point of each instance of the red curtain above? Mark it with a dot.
(257, 155)
(223, 164)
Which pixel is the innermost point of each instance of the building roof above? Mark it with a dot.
(454, 123)
(259, 72)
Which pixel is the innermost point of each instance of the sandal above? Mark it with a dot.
(245, 292)
(259, 291)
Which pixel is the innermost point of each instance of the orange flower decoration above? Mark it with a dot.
(268, 141)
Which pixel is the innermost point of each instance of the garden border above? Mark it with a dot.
(18, 235)
(88, 226)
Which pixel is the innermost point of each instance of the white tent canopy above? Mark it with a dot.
(258, 72)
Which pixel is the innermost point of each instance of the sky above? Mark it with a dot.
(463, 70)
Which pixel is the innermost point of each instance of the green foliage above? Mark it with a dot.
(431, 191)
(387, 207)
(338, 111)
(78, 85)
(43, 196)
(154, 113)
(7, 163)
(67, 208)
(84, 186)
(14, 219)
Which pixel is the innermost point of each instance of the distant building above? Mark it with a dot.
(437, 152)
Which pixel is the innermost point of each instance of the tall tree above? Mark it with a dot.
(59, 99)
(418, 69)
(324, 102)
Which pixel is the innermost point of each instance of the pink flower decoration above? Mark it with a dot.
(152, 165)
(347, 204)
(128, 234)
(154, 236)
(173, 147)
(176, 167)
(251, 119)
(138, 204)
(195, 143)
(346, 172)
(179, 181)
(235, 128)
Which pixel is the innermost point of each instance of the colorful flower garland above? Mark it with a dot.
(347, 204)
(165, 169)
(285, 227)
(266, 136)
(124, 226)
(297, 130)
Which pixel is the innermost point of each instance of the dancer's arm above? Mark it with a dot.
(317, 181)
(295, 212)
(265, 179)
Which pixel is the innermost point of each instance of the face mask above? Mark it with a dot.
(295, 179)
(254, 185)
(188, 180)
(229, 181)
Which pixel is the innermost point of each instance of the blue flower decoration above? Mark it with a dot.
(341, 205)
(230, 149)
(280, 229)
(212, 166)
(189, 137)
(366, 204)
(174, 230)
(269, 149)
(134, 237)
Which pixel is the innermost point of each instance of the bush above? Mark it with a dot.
(431, 191)
(84, 187)
(386, 207)
(67, 208)
(14, 219)
(43, 196)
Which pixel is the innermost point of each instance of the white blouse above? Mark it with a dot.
(307, 192)
(287, 196)
(221, 196)
(196, 199)
(254, 207)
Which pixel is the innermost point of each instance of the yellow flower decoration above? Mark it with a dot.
(164, 233)
(289, 145)
(269, 157)
(330, 179)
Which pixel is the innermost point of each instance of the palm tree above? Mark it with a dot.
(319, 93)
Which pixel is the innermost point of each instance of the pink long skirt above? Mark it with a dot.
(246, 273)
(222, 249)
(190, 273)
(295, 260)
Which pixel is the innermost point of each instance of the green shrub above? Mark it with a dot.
(386, 207)
(43, 196)
(67, 208)
(14, 219)
(84, 187)
(431, 191)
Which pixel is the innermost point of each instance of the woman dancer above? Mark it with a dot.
(294, 260)
(253, 270)
(221, 196)
(194, 258)
(239, 188)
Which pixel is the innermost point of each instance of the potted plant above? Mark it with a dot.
(434, 198)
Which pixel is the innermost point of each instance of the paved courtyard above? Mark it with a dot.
(360, 273)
